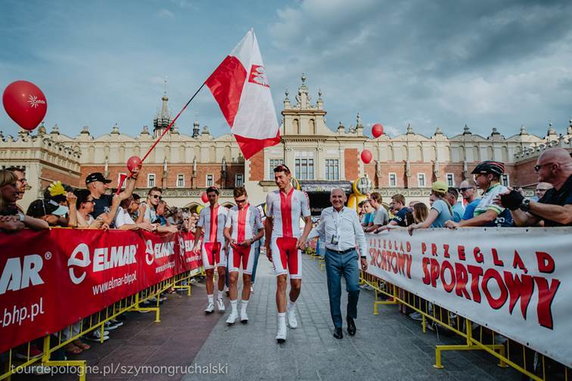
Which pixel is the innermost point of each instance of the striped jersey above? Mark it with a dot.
(244, 223)
(212, 221)
(286, 210)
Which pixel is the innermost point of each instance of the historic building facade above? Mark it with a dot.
(320, 157)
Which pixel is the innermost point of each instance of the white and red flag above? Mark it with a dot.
(241, 89)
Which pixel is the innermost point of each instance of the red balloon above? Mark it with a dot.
(366, 156)
(377, 130)
(25, 104)
(204, 197)
(133, 162)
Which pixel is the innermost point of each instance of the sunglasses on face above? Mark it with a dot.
(157, 196)
(465, 189)
(240, 201)
(538, 166)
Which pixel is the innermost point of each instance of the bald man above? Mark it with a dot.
(553, 166)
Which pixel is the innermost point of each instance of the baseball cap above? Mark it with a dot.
(440, 186)
(96, 176)
(41, 208)
(489, 166)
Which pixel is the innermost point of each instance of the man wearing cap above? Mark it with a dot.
(487, 213)
(96, 183)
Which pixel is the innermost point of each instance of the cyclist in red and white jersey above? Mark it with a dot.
(211, 224)
(243, 228)
(284, 240)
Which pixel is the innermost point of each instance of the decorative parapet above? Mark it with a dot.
(535, 149)
(185, 192)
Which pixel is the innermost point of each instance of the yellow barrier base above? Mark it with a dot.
(466, 347)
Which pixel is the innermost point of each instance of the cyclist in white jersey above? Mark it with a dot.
(243, 228)
(284, 240)
(211, 223)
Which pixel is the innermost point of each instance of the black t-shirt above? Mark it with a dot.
(562, 197)
(101, 205)
(400, 217)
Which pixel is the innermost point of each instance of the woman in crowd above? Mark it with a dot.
(440, 209)
(84, 206)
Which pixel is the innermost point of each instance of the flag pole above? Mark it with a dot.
(163, 134)
(172, 122)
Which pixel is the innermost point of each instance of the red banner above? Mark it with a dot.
(51, 279)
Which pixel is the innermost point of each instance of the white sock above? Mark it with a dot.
(233, 304)
(291, 305)
(211, 298)
(220, 294)
(243, 305)
(281, 318)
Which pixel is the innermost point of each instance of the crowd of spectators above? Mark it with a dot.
(94, 207)
(495, 206)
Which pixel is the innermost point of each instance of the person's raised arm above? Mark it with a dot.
(129, 184)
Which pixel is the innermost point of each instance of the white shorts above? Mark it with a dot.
(286, 257)
(241, 255)
(213, 254)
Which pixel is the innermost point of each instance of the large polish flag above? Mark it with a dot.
(241, 89)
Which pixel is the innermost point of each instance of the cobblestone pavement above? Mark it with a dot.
(388, 346)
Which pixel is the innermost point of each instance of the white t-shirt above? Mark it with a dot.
(123, 218)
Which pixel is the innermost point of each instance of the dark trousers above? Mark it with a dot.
(336, 266)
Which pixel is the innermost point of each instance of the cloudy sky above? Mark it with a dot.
(445, 64)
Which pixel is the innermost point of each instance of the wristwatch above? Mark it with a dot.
(525, 205)
(21, 217)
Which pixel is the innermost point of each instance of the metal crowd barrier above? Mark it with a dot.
(49, 344)
(476, 337)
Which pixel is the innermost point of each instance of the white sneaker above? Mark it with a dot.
(243, 317)
(292, 322)
(220, 305)
(281, 334)
(232, 318)
(210, 308)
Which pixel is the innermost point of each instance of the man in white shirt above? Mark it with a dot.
(341, 230)
(284, 239)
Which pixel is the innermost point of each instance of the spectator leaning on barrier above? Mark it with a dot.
(399, 211)
(105, 205)
(420, 212)
(11, 218)
(22, 182)
(380, 217)
(440, 209)
(457, 208)
(123, 220)
(84, 206)
(154, 196)
(553, 166)
(469, 194)
(540, 190)
(64, 196)
(487, 213)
